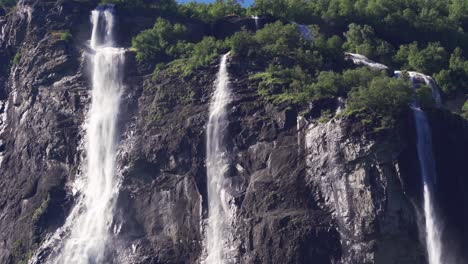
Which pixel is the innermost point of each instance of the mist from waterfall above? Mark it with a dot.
(93, 214)
(219, 235)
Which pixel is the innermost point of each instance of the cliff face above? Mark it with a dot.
(306, 192)
(43, 103)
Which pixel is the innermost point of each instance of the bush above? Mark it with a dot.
(429, 60)
(66, 36)
(456, 76)
(41, 209)
(242, 43)
(277, 39)
(328, 85)
(362, 39)
(424, 97)
(211, 12)
(163, 42)
(17, 58)
(384, 99)
(465, 110)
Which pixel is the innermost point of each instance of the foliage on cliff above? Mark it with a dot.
(294, 69)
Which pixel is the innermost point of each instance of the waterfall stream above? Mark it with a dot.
(256, 18)
(93, 214)
(433, 225)
(220, 246)
(428, 172)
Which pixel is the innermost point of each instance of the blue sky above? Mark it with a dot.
(244, 3)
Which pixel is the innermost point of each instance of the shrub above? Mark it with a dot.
(465, 110)
(41, 209)
(160, 43)
(362, 39)
(203, 53)
(242, 43)
(277, 39)
(66, 36)
(424, 97)
(328, 85)
(211, 12)
(17, 58)
(384, 99)
(429, 60)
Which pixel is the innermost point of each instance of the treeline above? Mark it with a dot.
(420, 35)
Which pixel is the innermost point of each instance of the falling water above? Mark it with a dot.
(362, 60)
(256, 18)
(428, 172)
(425, 154)
(426, 161)
(220, 246)
(93, 213)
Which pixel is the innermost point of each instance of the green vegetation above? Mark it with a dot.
(415, 35)
(162, 5)
(20, 253)
(362, 39)
(17, 58)
(41, 209)
(418, 35)
(465, 110)
(383, 99)
(212, 11)
(66, 36)
(164, 42)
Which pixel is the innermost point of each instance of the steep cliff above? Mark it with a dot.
(306, 191)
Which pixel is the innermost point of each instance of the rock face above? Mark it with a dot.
(357, 180)
(43, 102)
(306, 192)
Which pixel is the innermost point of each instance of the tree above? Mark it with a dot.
(429, 60)
(384, 99)
(362, 39)
(465, 110)
(159, 42)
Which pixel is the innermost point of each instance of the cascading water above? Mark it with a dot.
(362, 60)
(425, 154)
(220, 246)
(428, 172)
(256, 18)
(92, 216)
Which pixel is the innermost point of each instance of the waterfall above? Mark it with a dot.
(362, 60)
(428, 172)
(220, 246)
(256, 18)
(426, 161)
(433, 225)
(93, 214)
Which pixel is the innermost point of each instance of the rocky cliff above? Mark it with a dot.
(306, 191)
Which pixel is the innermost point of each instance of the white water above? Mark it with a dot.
(362, 60)
(428, 172)
(256, 18)
(419, 77)
(93, 214)
(220, 246)
(433, 225)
